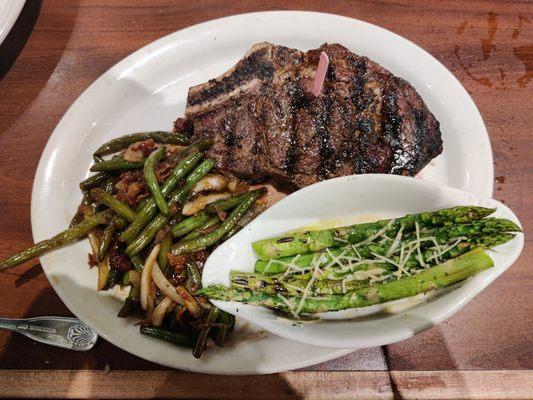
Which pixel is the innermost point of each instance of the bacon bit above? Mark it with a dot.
(242, 187)
(86, 210)
(130, 194)
(199, 257)
(162, 171)
(117, 258)
(177, 262)
(131, 187)
(320, 74)
(139, 150)
(184, 293)
(177, 279)
(203, 300)
(93, 262)
(183, 125)
(179, 313)
(146, 147)
(221, 214)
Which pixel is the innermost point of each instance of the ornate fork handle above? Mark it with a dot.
(64, 332)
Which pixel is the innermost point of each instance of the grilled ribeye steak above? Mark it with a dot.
(265, 122)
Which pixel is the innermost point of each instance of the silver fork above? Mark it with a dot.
(69, 333)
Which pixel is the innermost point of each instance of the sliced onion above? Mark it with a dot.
(131, 155)
(94, 241)
(103, 273)
(152, 294)
(146, 276)
(199, 203)
(164, 285)
(165, 306)
(211, 182)
(103, 266)
(190, 302)
(232, 186)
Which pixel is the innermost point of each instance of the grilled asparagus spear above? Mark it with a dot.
(302, 242)
(442, 275)
(488, 232)
(360, 276)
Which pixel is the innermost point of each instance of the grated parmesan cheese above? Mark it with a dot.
(306, 290)
(395, 243)
(377, 234)
(418, 250)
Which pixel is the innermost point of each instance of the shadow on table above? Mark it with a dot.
(40, 62)
(18, 36)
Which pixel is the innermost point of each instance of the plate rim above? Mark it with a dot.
(14, 8)
(164, 41)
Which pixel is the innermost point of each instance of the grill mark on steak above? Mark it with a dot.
(295, 94)
(352, 146)
(359, 69)
(421, 128)
(265, 122)
(390, 128)
(322, 122)
(346, 80)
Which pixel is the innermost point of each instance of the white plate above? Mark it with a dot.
(148, 89)
(339, 201)
(9, 12)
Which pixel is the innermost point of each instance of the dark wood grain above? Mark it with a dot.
(58, 48)
(356, 385)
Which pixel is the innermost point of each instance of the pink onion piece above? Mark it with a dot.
(320, 74)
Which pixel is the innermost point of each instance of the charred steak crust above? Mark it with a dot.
(265, 122)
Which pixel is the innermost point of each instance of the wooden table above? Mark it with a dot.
(58, 48)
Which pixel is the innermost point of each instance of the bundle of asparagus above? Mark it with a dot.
(371, 263)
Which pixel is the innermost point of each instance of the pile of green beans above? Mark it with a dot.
(123, 231)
